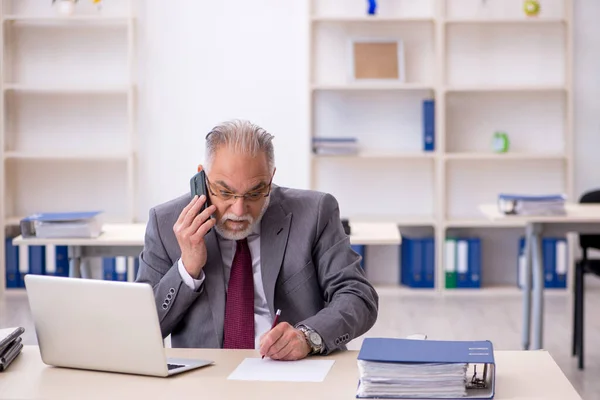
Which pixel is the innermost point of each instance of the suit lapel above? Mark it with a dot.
(275, 228)
(214, 283)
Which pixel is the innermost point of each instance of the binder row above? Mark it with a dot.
(417, 262)
(54, 260)
(115, 268)
(555, 261)
(462, 262)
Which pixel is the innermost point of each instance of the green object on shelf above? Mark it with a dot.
(531, 7)
(500, 143)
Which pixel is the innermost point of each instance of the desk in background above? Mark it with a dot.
(520, 376)
(579, 218)
(116, 240)
(127, 240)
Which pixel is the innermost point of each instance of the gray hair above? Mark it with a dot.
(240, 136)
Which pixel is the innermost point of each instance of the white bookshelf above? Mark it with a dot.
(68, 137)
(489, 68)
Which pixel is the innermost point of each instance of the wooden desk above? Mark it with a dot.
(520, 376)
(580, 218)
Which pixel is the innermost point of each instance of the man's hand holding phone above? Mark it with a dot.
(190, 229)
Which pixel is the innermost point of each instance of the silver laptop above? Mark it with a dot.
(100, 325)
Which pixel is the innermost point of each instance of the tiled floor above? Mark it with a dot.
(495, 316)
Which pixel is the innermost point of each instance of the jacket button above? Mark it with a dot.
(165, 306)
(172, 291)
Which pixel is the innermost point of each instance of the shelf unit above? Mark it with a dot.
(68, 88)
(488, 68)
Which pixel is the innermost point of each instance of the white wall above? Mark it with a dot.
(202, 62)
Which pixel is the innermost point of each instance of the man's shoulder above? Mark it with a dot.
(293, 199)
(172, 207)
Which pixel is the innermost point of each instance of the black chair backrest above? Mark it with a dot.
(590, 241)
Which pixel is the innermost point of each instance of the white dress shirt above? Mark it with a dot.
(262, 315)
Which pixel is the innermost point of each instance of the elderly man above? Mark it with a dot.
(272, 248)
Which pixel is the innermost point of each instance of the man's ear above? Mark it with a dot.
(274, 169)
(200, 167)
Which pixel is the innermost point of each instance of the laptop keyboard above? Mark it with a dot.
(173, 366)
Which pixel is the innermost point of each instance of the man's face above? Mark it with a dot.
(231, 176)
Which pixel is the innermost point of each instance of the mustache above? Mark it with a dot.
(236, 218)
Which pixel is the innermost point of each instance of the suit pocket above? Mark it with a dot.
(298, 279)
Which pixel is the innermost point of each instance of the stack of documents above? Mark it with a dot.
(86, 224)
(335, 146)
(404, 368)
(10, 345)
(532, 205)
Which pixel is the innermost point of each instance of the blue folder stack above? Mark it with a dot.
(409, 369)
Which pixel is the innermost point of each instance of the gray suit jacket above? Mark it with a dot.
(309, 271)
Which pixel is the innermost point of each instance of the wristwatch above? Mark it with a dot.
(313, 339)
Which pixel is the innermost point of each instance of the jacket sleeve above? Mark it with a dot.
(173, 297)
(351, 301)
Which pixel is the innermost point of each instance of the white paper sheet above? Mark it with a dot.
(257, 369)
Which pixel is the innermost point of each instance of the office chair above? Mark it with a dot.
(582, 267)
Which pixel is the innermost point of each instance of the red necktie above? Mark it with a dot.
(239, 308)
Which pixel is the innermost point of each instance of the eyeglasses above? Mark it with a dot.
(252, 196)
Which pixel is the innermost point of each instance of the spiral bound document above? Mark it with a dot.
(428, 369)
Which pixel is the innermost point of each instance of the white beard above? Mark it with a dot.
(239, 235)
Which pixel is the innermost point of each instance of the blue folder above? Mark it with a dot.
(392, 350)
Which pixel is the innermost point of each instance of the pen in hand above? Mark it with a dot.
(275, 321)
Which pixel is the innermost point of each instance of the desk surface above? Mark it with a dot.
(112, 235)
(574, 213)
(520, 376)
(133, 235)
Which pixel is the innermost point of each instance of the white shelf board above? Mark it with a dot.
(32, 19)
(483, 223)
(501, 290)
(398, 220)
(374, 233)
(505, 20)
(372, 86)
(12, 220)
(378, 155)
(503, 156)
(67, 89)
(370, 19)
(65, 156)
(506, 88)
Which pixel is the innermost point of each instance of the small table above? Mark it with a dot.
(580, 218)
(116, 240)
(521, 375)
(127, 240)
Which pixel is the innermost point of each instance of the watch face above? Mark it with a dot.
(315, 338)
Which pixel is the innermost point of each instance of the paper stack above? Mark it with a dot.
(532, 205)
(86, 224)
(10, 345)
(412, 380)
(426, 369)
(335, 145)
